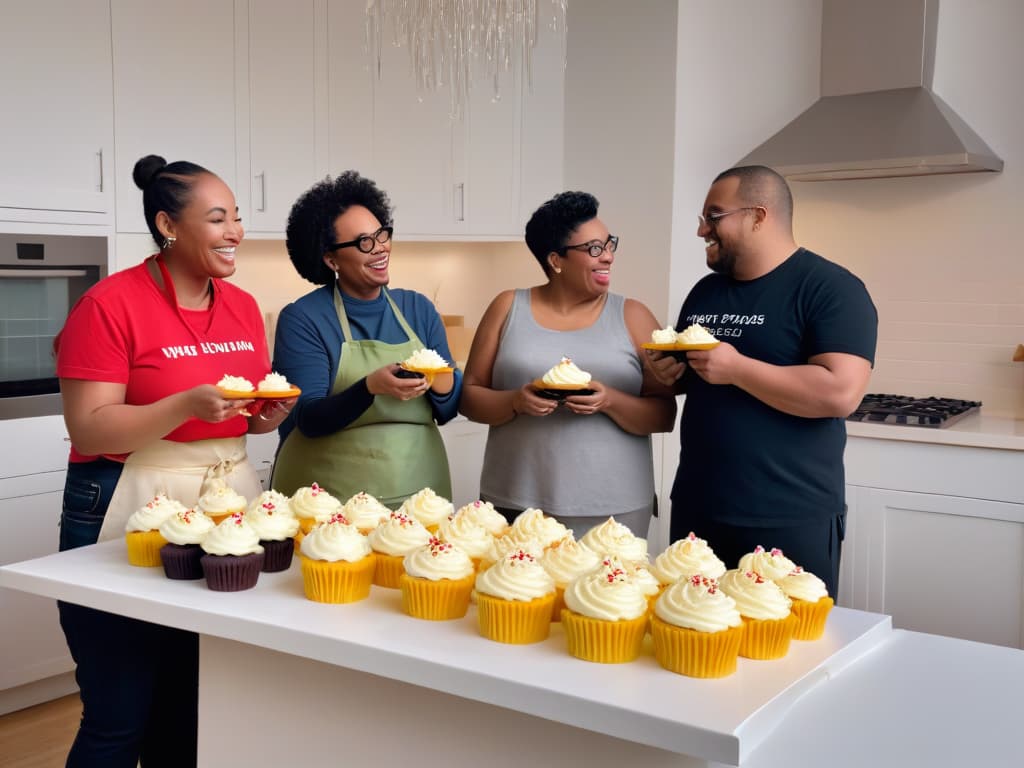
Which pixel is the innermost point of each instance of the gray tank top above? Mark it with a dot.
(567, 464)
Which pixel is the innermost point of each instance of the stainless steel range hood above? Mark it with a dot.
(877, 116)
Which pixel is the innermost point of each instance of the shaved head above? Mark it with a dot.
(760, 185)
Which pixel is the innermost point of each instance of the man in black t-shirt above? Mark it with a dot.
(762, 430)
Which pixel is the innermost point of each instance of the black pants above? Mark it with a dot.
(139, 681)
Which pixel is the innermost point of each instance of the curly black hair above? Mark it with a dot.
(310, 230)
(550, 225)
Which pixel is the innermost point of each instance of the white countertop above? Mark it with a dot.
(722, 720)
(979, 430)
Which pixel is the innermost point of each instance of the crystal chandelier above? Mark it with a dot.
(455, 42)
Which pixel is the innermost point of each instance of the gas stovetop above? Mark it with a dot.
(913, 411)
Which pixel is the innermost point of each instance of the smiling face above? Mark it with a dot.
(725, 239)
(207, 231)
(359, 274)
(579, 268)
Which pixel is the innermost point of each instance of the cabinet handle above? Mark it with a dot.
(99, 156)
(460, 201)
(262, 207)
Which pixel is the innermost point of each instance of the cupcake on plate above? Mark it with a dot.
(771, 563)
(514, 599)
(613, 538)
(696, 628)
(365, 512)
(437, 582)
(427, 507)
(605, 615)
(233, 555)
(313, 504)
(276, 528)
(142, 531)
(533, 524)
(767, 619)
(564, 561)
(391, 541)
(337, 562)
(687, 557)
(184, 531)
(484, 514)
(468, 535)
(563, 378)
(220, 501)
(424, 363)
(811, 603)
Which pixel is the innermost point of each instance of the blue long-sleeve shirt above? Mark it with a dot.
(307, 350)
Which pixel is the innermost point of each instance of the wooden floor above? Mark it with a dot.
(40, 736)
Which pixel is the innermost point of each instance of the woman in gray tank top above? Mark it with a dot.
(588, 457)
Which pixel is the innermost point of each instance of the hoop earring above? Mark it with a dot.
(169, 243)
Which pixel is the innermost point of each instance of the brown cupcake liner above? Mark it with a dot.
(693, 653)
(514, 621)
(232, 573)
(277, 554)
(182, 561)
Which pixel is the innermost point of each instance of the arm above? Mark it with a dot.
(446, 389)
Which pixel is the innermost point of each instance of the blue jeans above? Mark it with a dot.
(139, 681)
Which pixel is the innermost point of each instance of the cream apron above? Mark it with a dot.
(391, 451)
(179, 471)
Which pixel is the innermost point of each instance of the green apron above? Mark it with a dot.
(393, 450)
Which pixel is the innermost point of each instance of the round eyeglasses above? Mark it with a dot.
(366, 243)
(595, 248)
(712, 218)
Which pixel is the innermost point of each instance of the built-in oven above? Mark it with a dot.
(41, 278)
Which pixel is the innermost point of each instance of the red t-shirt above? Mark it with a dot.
(126, 330)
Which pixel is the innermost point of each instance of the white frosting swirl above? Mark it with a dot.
(484, 513)
(646, 580)
(424, 360)
(273, 382)
(697, 603)
(800, 585)
(756, 597)
(518, 576)
(533, 524)
(221, 500)
(685, 558)
(771, 564)
(365, 512)
(427, 507)
(696, 334)
(607, 592)
(235, 384)
(567, 559)
(232, 536)
(398, 535)
(278, 500)
(509, 543)
(613, 538)
(334, 540)
(153, 513)
(666, 335)
(314, 502)
(466, 534)
(187, 526)
(565, 375)
(271, 523)
(438, 560)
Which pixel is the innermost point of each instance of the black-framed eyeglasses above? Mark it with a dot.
(712, 218)
(365, 243)
(595, 248)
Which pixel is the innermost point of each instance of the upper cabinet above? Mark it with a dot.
(56, 135)
(174, 91)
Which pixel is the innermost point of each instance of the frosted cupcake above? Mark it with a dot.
(666, 335)
(484, 514)
(365, 512)
(696, 334)
(391, 541)
(233, 555)
(313, 504)
(771, 564)
(534, 524)
(337, 562)
(424, 363)
(274, 382)
(184, 531)
(507, 544)
(696, 629)
(276, 528)
(235, 384)
(142, 531)
(605, 617)
(687, 557)
(647, 581)
(220, 502)
(564, 375)
(437, 582)
(767, 619)
(468, 535)
(564, 561)
(811, 603)
(514, 599)
(427, 507)
(279, 500)
(613, 538)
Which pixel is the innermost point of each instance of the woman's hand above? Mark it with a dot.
(586, 405)
(527, 402)
(383, 381)
(206, 403)
(664, 368)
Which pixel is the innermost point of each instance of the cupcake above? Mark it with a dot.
(427, 507)
(184, 531)
(696, 628)
(235, 384)
(666, 335)
(274, 383)
(313, 504)
(468, 535)
(391, 541)
(219, 501)
(696, 335)
(484, 513)
(564, 561)
(337, 562)
(233, 555)
(279, 500)
(514, 599)
(365, 512)
(142, 531)
(506, 545)
(534, 524)
(811, 603)
(276, 528)
(771, 564)
(424, 363)
(647, 581)
(613, 538)
(687, 557)
(605, 615)
(767, 619)
(437, 582)
(563, 377)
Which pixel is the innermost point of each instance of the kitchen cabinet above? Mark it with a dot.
(56, 137)
(174, 91)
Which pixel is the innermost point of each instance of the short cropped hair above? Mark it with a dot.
(550, 225)
(760, 185)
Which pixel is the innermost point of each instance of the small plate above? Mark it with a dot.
(679, 347)
(233, 394)
(559, 394)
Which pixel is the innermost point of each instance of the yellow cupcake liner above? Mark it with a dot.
(299, 536)
(693, 653)
(144, 548)
(811, 618)
(439, 600)
(337, 582)
(558, 605)
(767, 638)
(514, 621)
(306, 524)
(605, 642)
(389, 570)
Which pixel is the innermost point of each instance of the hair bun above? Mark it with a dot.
(146, 170)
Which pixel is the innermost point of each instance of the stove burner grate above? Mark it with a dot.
(913, 411)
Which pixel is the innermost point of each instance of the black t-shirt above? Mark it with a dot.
(743, 462)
